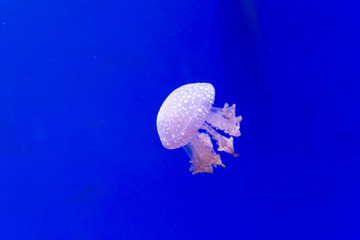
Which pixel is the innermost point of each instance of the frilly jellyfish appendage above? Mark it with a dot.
(200, 149)
(225, 119)
(225, 144)
(202, 154)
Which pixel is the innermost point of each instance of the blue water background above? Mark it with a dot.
(81, 83)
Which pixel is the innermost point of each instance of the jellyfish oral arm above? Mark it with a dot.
(200, 149)
(225, 144)
(225, 119)
(202, 155)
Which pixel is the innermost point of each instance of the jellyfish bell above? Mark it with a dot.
(183, 113)
(187, 117)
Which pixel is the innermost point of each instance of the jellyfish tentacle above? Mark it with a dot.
(225, 120)
(225, 144)
(202, 154)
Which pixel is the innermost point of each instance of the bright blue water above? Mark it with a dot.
(81, 83)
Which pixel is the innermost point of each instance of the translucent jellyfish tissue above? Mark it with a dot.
(187, 119)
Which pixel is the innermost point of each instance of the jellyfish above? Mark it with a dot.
(187, 119)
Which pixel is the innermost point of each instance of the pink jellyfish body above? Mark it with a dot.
(187, 117)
